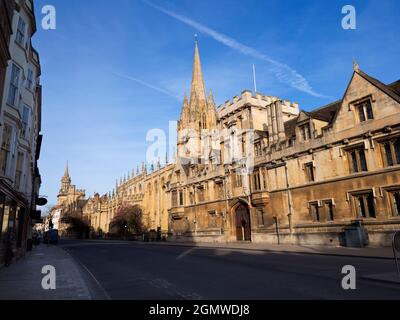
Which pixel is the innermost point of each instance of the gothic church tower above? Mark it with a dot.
(198, 116)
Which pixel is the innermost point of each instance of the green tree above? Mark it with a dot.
(77, 226)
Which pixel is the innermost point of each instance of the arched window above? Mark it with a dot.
(204, 119)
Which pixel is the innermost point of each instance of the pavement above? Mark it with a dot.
(23, 279)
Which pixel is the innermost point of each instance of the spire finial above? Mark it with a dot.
(356, 67)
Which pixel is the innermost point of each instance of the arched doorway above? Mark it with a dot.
(243, 225)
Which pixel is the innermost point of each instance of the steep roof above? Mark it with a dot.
(395, 86)
(290, 127)
(390, 90)
(328, 113)
(325, 113)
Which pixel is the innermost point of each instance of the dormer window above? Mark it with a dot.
(305, 131)
(364, 110)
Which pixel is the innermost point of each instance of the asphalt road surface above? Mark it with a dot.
(126, 270)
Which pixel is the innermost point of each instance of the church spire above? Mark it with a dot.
(66, 173)
(211, 99)
(185, 114)
(65, 180)
(198, 90)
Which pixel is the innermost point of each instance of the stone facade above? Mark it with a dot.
(6, 14)
(299, 177)
(20, 122)
(71, 201)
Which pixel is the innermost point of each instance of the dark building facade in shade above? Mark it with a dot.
(20, 130)
(6, 14)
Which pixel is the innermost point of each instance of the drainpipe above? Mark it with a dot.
(226, 202)
(195, 210)
(289, 201)
(158, 202)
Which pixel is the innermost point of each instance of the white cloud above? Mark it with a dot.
(148, 85)
(283, 72)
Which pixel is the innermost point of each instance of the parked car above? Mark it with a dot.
(51, 236)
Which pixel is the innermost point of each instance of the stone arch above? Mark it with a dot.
(240, 219)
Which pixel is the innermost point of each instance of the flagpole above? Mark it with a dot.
(254, 77)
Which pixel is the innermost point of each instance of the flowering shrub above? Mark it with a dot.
(128, 220)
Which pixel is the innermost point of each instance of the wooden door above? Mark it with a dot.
(243, 225)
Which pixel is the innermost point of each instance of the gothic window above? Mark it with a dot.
(181, 198)
(261, 217)
(315, 212)
(264, 176)
(364, 204)
(364, 110)
(309, 169)
(174, 198)
(391, 152)
(257, 180)
(357, 160)
(204, 120)
(329, 210)
(258, 149)
(200, 194)
(395, 202)
(239, 180)
(305, 131)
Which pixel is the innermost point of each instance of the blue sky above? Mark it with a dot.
(112, 71)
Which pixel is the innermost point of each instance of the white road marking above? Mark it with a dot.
(184, 254)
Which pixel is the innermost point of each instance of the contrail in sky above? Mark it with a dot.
(148, 85)
(283, 72)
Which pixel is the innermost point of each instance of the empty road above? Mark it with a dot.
(127, 270)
